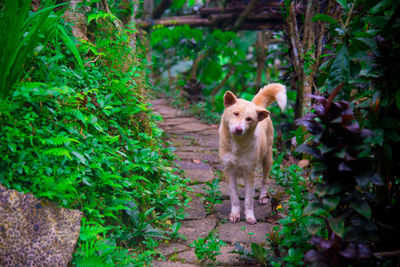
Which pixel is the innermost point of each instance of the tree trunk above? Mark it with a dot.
(260, 56)
(76, 16)
(306, 45)
(148, 6)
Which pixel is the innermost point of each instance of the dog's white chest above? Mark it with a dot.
(241, 160)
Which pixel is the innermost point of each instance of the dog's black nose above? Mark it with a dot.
(238, 130)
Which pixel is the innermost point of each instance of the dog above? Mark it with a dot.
(246, 135)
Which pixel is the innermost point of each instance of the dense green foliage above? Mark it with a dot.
(344, 195)
(200, 67)
(351, 197)
(84, 137)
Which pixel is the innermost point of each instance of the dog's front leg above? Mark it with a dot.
(235, 203)
(248, 201)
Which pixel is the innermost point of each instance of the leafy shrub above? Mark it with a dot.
(343, 198)
(85, 138)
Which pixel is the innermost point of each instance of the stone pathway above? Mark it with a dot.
(196, 145)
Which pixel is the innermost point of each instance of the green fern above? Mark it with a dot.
(91, 230)
(77, 114)
(60, 140)
(57, 151)
(101, 15)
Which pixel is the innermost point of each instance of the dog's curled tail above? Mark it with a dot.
(270, 93)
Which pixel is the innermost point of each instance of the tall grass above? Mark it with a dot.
(21, 30)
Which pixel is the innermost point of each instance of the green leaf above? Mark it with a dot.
(343, 3)
(381, 6)
(324, 17)
(79, 156)
(337, 225)
(340, 69)
(364, 43)
(363, 208)
(176, 4)
(331, 202)
(12, 147)
(398, 99)
(313, 228)
(311, 209)
(70, 45)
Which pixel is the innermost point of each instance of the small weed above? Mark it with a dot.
(212, 195)
(208, 248)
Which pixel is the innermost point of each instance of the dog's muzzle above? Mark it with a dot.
(238, 130)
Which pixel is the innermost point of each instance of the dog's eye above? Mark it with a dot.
(236, 113)
(248, 119)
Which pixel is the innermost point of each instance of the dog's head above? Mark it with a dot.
(241, 116)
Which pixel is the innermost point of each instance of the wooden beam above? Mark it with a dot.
(216, 20)
(175, 21)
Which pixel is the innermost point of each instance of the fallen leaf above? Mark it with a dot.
(303, 163)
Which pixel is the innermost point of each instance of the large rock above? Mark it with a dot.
(35, 232)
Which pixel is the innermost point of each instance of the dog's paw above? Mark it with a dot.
(234, 218)
(251, 220)
(262, 200)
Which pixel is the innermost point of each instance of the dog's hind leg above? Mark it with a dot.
(235, 203)
(249, 199)
(266, 164)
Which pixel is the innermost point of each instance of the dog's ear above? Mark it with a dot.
(229, 99)
(262, 114)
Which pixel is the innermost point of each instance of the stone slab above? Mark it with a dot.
(210, 132)
(226, 258)
(198, 189)
(199, 176)
(189, 165)
(232, 232)
(171, 248)
(176, 121)
(193, 149)
(178, 142)
(196, 210)
(195, 229)
(206, 141)
(261, 212)
(188, 256)
(193, 126)
(206, 157)
(167, 263)
(159, 101)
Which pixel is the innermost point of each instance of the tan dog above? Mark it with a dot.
(245, 140)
